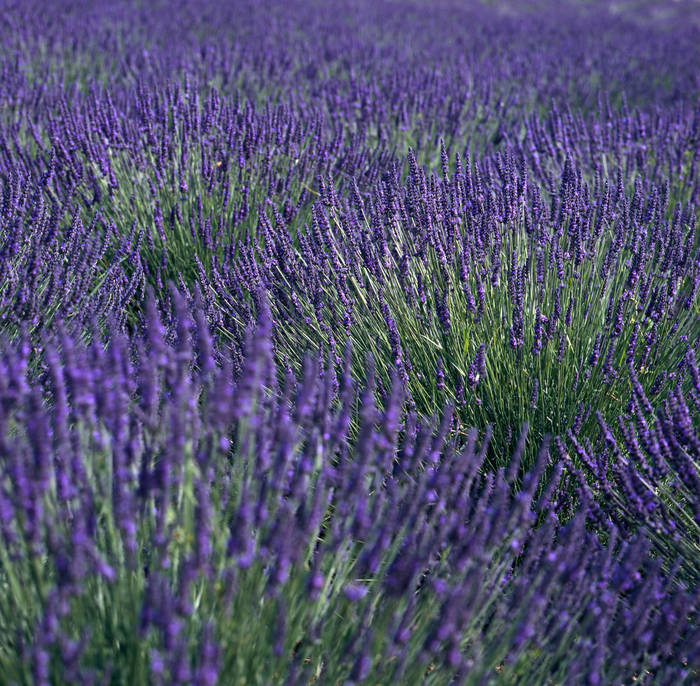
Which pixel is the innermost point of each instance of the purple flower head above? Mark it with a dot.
(355, 591)
(477, 368)
(534, 393)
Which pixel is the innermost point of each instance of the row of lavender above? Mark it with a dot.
(172, 521)
(195, 502)
(367, 61)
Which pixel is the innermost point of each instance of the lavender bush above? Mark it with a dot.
(216, 527)
(349, 343)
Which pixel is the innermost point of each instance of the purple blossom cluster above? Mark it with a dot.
(56, 264)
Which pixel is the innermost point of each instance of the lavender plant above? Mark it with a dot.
(55, 266)
(165, 521)
(490, 301)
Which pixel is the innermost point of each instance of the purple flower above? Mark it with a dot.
(355, 591)
(533, 394)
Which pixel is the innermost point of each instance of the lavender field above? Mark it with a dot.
(349, 342)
